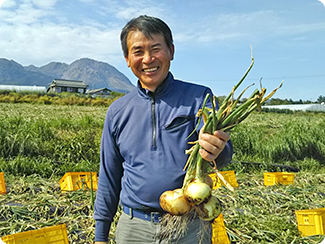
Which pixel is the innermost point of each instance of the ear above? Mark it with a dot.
(127, 61)
(172, 50)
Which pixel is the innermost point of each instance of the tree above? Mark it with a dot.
(321, 99)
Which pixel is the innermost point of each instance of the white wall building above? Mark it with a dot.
(23, 88)
(298, 107)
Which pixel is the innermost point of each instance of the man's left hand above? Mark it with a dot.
(212, 144)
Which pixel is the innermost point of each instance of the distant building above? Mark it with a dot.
(298, 107)
(103, 92)
(60, 85)
(23, 88)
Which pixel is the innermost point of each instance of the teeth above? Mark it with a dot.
(150, 69)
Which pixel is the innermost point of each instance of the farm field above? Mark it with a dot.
(40, 143)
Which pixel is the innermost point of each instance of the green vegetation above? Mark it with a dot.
(59, 137)
(281, 138)
(41, 142)
(65, 98)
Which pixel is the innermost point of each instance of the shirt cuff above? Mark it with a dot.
(225, 156)
(102, 230)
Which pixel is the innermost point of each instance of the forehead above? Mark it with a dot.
(137, 38)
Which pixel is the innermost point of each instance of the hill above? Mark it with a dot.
(94, 73)
(12, 73)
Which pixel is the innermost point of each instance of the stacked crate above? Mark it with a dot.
(48, 235)
(72, 181)
(274, 178)
(311, 221)
(229, 176)
(3, 189)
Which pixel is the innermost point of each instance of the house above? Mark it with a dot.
(60, 85)
(103, 92)
(23, 88)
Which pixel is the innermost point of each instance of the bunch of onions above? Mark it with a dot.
(175, 202)
(197, 191)
(209, 210)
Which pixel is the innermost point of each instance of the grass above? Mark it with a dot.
(34, 137)
(65, 98)
(40, 143)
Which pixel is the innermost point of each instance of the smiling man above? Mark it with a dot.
(149, 59)
(145, 137)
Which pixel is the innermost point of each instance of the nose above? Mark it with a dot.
(147, 57)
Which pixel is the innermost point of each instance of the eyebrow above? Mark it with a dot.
(139, 47)
(155, 45)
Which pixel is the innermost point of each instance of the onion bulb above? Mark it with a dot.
(208, 180)
(210, 210)
(197, 192)
(174, 202)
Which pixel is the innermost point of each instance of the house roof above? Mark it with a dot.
(301, 107)
(68, 83)
(98, 90)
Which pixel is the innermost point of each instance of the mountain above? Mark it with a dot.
(94, 73)
(12, 73)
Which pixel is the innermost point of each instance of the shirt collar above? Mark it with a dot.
(163, 88)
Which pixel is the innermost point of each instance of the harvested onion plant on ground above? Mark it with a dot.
(33, 202)
(253, 213)
(196, 197)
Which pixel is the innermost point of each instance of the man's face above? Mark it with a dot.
(149, 59)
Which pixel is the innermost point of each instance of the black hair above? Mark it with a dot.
(148, 25)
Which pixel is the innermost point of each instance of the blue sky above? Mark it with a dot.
(212, 39)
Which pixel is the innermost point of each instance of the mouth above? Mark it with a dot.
(150, 69)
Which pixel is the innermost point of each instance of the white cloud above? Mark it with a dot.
(25, 13)
(28, 36)
(44, 4)
(40, 44)
(127, 13)
(260, 25)
(1, 2)
(140, 7)
(87, 1)
(38, 31)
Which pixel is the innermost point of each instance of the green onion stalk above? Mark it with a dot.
(197, 187)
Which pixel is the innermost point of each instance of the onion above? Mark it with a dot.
(208, 180)
(197, 192)
(174, 202)
(210, 210)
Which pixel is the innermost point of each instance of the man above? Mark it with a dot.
(145, 137)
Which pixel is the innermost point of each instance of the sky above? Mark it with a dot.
(213, 39)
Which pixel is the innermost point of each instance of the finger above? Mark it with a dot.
(207, 156)
(209, 151)
(212, 142)
(222, 135)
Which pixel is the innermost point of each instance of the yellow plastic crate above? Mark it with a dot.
(3, 189)
(219, 233)
(48, 235)
(229, 176)
(311, 221)
(273, 178)
(73, 181)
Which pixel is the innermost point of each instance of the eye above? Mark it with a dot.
(137, 52)
(156, 49)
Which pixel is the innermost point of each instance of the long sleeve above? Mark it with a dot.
(144, 140)
(225, 156)
(109, 182)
